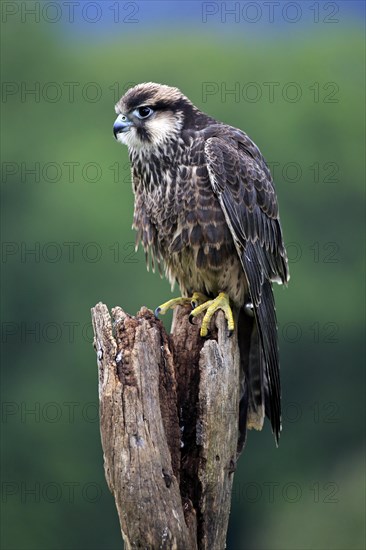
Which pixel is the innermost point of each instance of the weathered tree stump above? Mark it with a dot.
(169, 426)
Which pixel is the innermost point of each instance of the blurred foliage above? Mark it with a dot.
(306, 494)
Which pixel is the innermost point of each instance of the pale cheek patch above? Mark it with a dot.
(160, 128)
(121, 138)
(163, 127)
(130, 139)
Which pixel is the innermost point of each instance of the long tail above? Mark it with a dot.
(261, 392)
(265, 314)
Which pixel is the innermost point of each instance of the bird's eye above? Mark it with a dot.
(143, 112)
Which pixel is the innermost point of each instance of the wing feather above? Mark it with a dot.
(242, 182)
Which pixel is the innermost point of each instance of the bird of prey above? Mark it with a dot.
(206, 211)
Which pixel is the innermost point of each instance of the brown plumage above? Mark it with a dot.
(206, 211)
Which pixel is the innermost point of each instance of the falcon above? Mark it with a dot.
(206, 212)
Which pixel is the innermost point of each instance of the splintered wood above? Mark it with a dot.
(169, 426)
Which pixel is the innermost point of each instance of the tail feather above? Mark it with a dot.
(265, 314)
(261, 392)
(252, 402)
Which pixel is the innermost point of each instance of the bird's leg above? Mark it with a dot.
(211, 306)
(196, 299)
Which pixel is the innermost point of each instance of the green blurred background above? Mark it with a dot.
(67, 244)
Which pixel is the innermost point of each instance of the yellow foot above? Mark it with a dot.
(211, 306)
(196, 299)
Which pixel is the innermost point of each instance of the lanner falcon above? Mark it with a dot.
(206, 210)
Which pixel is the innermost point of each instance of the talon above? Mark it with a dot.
(210, 307)
(201, 304)
(205, 333)
(197, 299)
(171, 304)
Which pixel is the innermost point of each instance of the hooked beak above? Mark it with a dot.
(121, 124)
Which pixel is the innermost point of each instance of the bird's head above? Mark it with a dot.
(150, 115)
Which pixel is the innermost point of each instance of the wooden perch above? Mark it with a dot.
(169, 426)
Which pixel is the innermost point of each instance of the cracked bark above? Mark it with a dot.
(168, 422)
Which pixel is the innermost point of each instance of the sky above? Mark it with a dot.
(101, 17)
